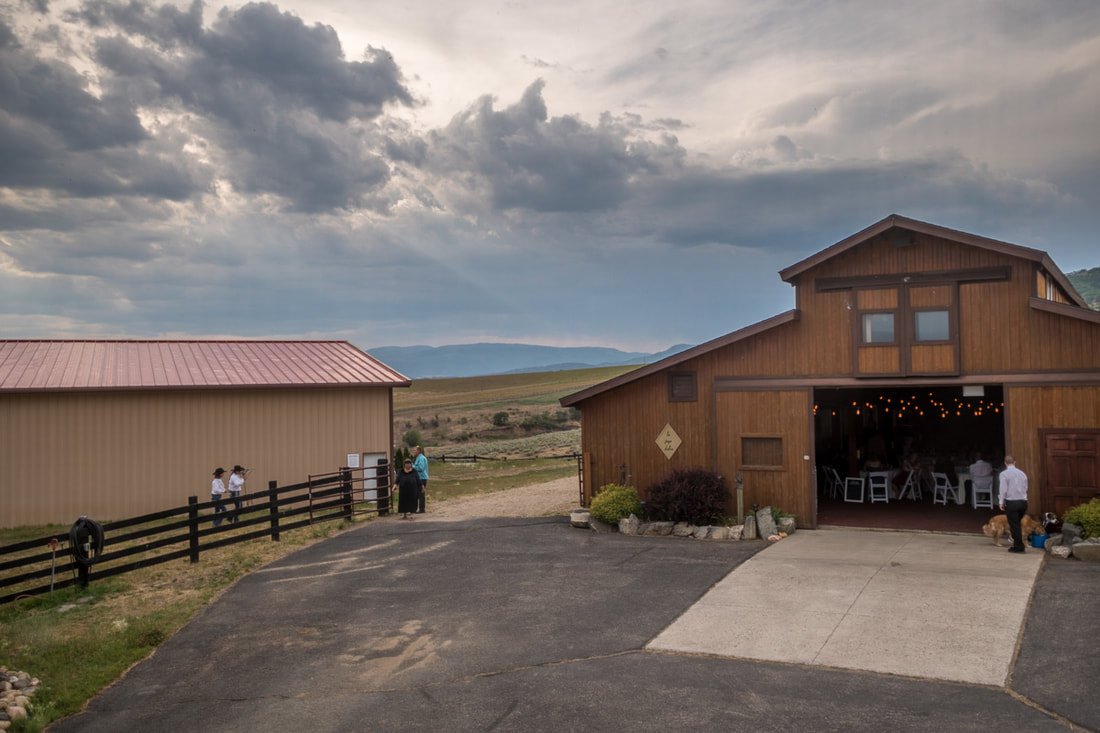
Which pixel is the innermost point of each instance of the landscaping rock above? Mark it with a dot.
(701, 532)
(579, 518)
(602, 527)
(750, 527)
(1053, 541)
(682, 529)
(663, 529)
(737, 531)
(1070, 532)
(765, 524)
(1059, 551)
(629, 525)
(1087, 551)
(719, 533)
(787, 525)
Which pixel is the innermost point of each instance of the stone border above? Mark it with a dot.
(16, 690)
(762, 519)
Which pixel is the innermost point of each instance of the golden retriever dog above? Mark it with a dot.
(998, 527)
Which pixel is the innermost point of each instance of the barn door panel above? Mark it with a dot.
(1071, 468)
(765, 435)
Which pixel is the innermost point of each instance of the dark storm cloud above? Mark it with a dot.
(287, 112)
(520, 158)
(55, 134)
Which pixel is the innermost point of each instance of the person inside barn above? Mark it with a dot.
(217, 495)
(408, 488)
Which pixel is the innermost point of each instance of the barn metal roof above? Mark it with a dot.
(63, 365)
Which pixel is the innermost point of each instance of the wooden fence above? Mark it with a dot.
(187, 531)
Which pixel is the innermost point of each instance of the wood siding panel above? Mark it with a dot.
(879, 360)
(937, 359)
(110, 455)
(784, 414)
(878, 299)
(1029, 409)
(931, 296)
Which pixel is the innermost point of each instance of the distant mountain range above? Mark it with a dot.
(470, 360)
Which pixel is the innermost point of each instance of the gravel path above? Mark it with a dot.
(537, 500)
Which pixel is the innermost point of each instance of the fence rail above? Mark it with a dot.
(191, 530)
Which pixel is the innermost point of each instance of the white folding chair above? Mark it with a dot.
(853, 488)
(879, 486)
(981, 492)
(834, 486)
(942, 489)
(912, 487)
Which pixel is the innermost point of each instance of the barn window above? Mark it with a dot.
(878, 328)
(681, 387)
(762, 451)
(933, 325)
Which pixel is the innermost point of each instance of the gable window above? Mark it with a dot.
(878, 328)
(681, 387)
(932, 325)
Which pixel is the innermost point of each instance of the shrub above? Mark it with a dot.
(500, 419)
(692, 495)
(615, 502)
(1085, 516)
(412, 437)
(538, 422)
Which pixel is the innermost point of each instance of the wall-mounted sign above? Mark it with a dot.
(668, 441)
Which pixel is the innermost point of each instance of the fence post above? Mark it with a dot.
(273, 508)
(345, 488)
(193, 527)
(382, 473)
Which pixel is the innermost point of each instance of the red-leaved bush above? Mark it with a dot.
(692, 495)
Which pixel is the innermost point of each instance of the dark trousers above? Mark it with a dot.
(1015, 509)
(420, 497)
(219, 507)
(235, 497)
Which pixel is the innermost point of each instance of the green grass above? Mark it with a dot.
(449, 480)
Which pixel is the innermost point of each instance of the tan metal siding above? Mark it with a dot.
(113, 455)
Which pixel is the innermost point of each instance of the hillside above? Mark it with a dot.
(508, 414)
(1087, 283)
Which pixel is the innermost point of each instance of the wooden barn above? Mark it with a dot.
(112, 429)
(905, 338)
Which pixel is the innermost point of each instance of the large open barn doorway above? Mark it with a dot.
(938, 429)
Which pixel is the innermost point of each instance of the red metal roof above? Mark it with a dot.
(42, 365)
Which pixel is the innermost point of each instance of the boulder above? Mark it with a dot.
(1052, 541)
(629, 525)
(787, 525)
(682, 529)
(664, 529)
(1087, 551)
(750, 527)
(579, 518)
(602, 527)
(737, 531)
(701, 532)
(1060, 551)
(719, 533)
(765, 524)
(1070, 532)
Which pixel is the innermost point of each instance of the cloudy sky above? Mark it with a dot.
(630, 174)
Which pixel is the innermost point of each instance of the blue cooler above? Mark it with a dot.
(1038, 541)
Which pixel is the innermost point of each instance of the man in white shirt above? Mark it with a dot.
(1013, 500)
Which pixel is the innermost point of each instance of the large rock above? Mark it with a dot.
(788, 525)
(682, 529)
(660, 529)
(719, 533)
(579, 518)
(629, 525)
(701, 532)
(1052, 541)
(765, 524)
(1060, 551)
(1070, 532)
(1087, 551)
(750, 527)
(737, 531)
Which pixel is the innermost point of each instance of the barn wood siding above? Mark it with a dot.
(772, 413)
(1029, 409)
(110, 455)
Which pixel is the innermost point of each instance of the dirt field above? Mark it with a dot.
(536, 500)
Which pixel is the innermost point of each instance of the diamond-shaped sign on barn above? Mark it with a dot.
(668, 441)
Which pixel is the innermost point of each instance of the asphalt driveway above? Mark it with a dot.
(520, 625)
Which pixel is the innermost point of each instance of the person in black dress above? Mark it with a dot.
(408, 487)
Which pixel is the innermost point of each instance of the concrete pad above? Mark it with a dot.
(916, 604)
